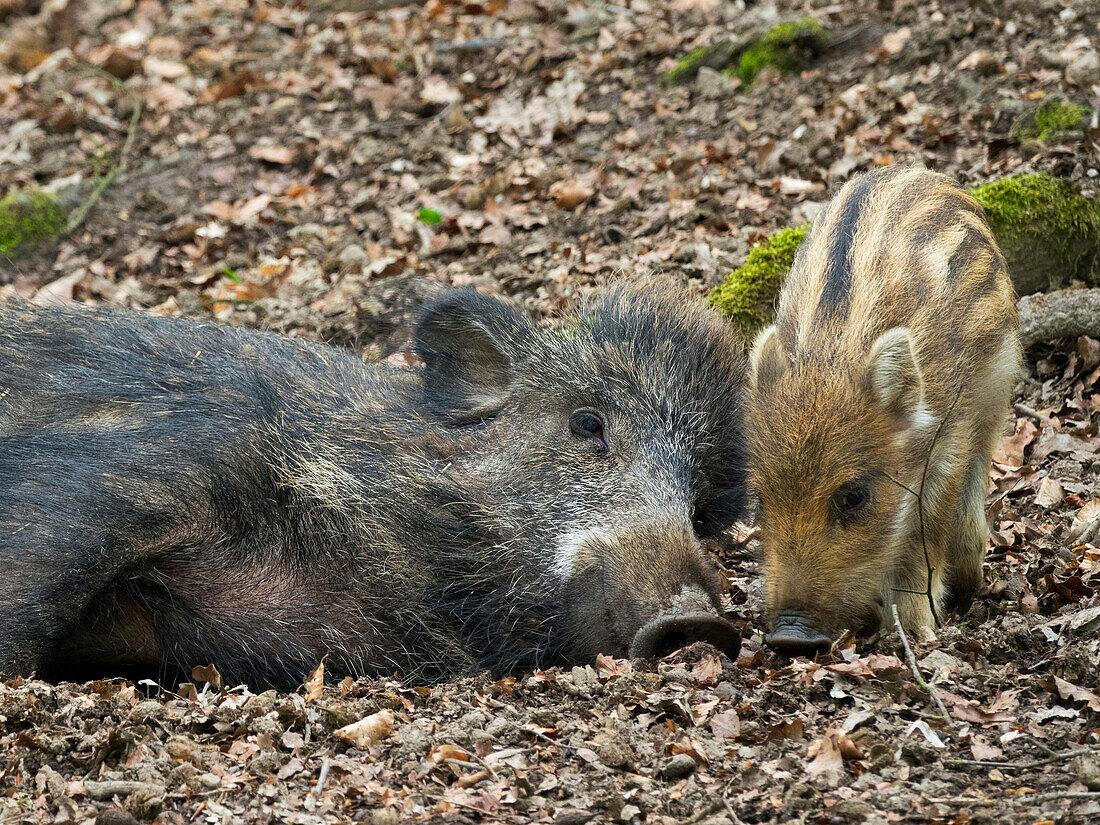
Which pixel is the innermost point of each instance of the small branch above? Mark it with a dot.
(920, 512)
(81, 212)
(319, 788)
(1065, 313)
(1034, 415)
(916, 671)
(1053, 795)
(1028, 798)
(1022, 766)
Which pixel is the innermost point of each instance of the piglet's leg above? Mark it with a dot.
(969, 536)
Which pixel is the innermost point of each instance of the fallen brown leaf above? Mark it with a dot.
(569, 194)
(208, 674)
(725, 725)
(315, 684)
(1011, 449)
(1050, 493)
(280, 155)
(367, 731)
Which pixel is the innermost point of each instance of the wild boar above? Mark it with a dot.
(175, 493)
(888, 372)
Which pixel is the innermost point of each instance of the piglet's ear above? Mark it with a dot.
(469, 344)
(892, 375)
(768, 361)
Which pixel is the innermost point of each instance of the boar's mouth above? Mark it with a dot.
(672, 631)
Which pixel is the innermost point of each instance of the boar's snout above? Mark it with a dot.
(796, 634)
(670, 632)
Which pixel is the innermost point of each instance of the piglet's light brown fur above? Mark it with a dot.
(897, 322)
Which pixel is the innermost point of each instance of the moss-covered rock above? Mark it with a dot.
(1049, 234)
(787, 46)
(29, 218)
(1049, 121)
(748, 294)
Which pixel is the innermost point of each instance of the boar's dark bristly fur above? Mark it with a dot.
(176, 493)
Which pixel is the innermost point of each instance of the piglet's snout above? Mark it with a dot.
(796, 634)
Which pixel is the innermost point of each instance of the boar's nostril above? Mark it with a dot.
(795, 634)
(671, 632)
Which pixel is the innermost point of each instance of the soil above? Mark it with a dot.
(321, 169)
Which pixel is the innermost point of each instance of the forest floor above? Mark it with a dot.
(321, 168)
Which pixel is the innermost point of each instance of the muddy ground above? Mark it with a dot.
(322, 168)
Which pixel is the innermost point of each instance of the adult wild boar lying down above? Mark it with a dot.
(875, 404)
(176, 493)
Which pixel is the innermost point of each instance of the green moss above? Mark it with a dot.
(28, 218)
(1049, 233)
(748, 294)
(788, 47)
(1049, 120)
(688, 67)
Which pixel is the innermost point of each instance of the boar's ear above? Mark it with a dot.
(468, 343)
(768, 361)
(892, 375)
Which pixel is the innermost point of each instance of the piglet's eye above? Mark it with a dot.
(588, 424)
(851, 498)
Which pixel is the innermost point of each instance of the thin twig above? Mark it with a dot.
(1034, 763)
(1053, 795)
(920, 506)
(916, 671)
(81, 212)
(1029, 798)
(919, 493)
(321, 777)
(1035, 415)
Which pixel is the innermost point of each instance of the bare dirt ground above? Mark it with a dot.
(283, 156)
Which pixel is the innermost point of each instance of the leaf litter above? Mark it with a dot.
(323, 169)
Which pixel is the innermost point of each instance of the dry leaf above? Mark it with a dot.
(441, 752)
(1089, 513)
(689, 746)
(1010, 451)
(208, 674)
(984, 750)
(1050, 493)
(707, 671)
(829, 752)
(797, 186)
(1068, 690)
(315, 684)
(569, 194)
(608, 667)
(367, 731)
(59, 291)
(725, 725)
(894, 42)
(785, 730)
(977, 59)
(438, 90)
(272, 154)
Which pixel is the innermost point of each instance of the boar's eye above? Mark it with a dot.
(851, 498)
(588, 424)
